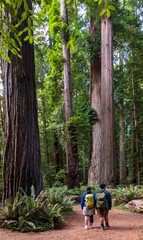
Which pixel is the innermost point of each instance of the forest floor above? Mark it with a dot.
(124, 226)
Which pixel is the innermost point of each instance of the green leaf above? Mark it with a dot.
(18, 24)
(108, 13)
(31, 39)
(100, 1)
(112, 7)
(26, 38)
(26, 5)
(29, 32)
(19, 4)
(31, 12)
(32, 28)
(19, 55)
(31, 224)
(20, 33)
(24, 16)
(18, 39)
(103, 11)
(6, 58)
(25, 29)
(106, 3)
(13, 50)
(29, 22)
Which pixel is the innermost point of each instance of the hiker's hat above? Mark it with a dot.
(88, 189)
(102, 185)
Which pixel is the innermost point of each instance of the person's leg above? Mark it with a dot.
(102, 223)
(107, 222)
(86, 221)
(91, 221)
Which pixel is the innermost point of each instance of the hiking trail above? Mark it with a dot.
(124, 226)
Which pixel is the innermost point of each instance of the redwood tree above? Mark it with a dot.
(21, 148)
(71, 146)
(122, 155)
(107, 103)
(94, 176)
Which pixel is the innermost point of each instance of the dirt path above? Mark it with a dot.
(124, 226)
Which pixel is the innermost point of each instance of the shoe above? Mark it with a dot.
(102, 227)
(90, 226)
(107, 226)
(86, 227)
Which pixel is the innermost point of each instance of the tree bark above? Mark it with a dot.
(45, 132)
(107, 104)
(21, 147)
(135, 145)
(122, 131)
(71, 147)
(94, 174)
(56, 152)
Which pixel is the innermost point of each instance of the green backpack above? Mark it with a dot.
(101, 200)
(89, 201)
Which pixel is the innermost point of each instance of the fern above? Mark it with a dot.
(28, 213)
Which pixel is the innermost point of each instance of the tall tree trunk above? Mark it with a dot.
(71, 147)
(21, 148)
(94, 174)
(56, 152)
(122, 131)
(1, 127)
(135, 147)
(107, 104)
(45, 131)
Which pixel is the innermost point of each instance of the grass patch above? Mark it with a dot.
(127, 209)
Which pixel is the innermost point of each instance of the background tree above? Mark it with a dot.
(71, 146)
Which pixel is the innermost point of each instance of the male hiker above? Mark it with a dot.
(87, 204)
(103, 205)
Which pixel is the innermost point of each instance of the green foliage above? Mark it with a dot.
(123, 195)
(11, 22)
(59, 198)
(28, 213)
(61, 174)
(127, 36)
(107, 9)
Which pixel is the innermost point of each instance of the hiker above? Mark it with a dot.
(103, 205)
(88, 204)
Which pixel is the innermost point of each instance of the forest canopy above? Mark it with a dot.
(71, 107)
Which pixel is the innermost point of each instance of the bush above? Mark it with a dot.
(123, 195)
(60, 198)
(28, 213)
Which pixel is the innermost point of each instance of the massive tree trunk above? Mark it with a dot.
(122, 131)
(21, 148)
(135, 144)
(71, 147)
(94, 174)
(107, 104)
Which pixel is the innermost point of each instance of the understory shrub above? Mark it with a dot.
(75, 191)
(28, 213)
(65, 202)
(123, 195)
